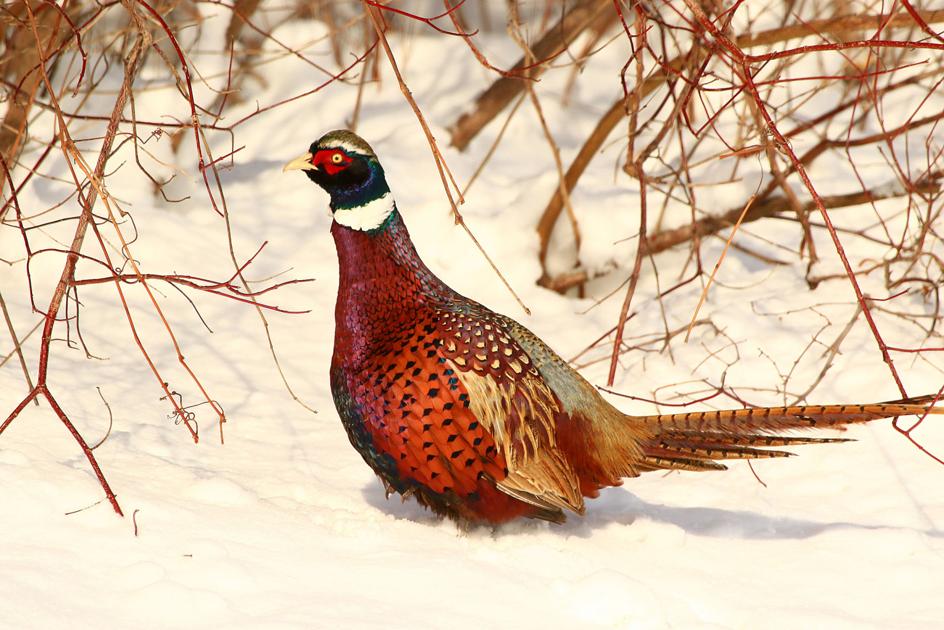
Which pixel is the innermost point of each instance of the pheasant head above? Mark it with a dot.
(345, 166)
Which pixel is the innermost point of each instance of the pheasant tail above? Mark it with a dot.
(696, 440)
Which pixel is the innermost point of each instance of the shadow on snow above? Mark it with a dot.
(621, 507)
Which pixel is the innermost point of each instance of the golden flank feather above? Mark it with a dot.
(521, 416)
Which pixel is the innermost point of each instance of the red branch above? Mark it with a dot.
(428, 21)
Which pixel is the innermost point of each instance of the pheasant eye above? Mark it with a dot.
(337, 158)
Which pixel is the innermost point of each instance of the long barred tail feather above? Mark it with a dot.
(676, 462)
(772, 419)
(717, 450)
(695, 440)
(745, 439)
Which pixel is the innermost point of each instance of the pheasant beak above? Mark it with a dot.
(301, 163)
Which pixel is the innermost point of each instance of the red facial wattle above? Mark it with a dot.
(331, 161)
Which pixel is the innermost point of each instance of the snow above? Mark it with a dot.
(285, 527)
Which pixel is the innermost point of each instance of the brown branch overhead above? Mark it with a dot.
(835, 26)
(771, 207)
(712, 224)
(832, 26)
(504, 90)
(21, 68)
(577, 167)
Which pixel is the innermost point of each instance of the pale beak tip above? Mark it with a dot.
(301, 163)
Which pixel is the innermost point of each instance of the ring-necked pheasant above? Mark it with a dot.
(472, 414)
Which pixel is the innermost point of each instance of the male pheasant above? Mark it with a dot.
(467, 410)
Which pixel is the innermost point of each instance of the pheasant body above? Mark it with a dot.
(468, 411)
(405, 358)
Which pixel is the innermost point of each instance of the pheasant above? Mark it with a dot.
(470, 412)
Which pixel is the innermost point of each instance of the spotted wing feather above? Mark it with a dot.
(515, 404)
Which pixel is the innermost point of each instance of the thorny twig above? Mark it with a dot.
(441, 166)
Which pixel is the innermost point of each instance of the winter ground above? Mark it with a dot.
(285, 527)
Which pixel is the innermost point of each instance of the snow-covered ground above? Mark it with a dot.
(285, 527)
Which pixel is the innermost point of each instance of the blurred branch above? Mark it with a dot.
(706, 226)
(504, 90)
(835, 27)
